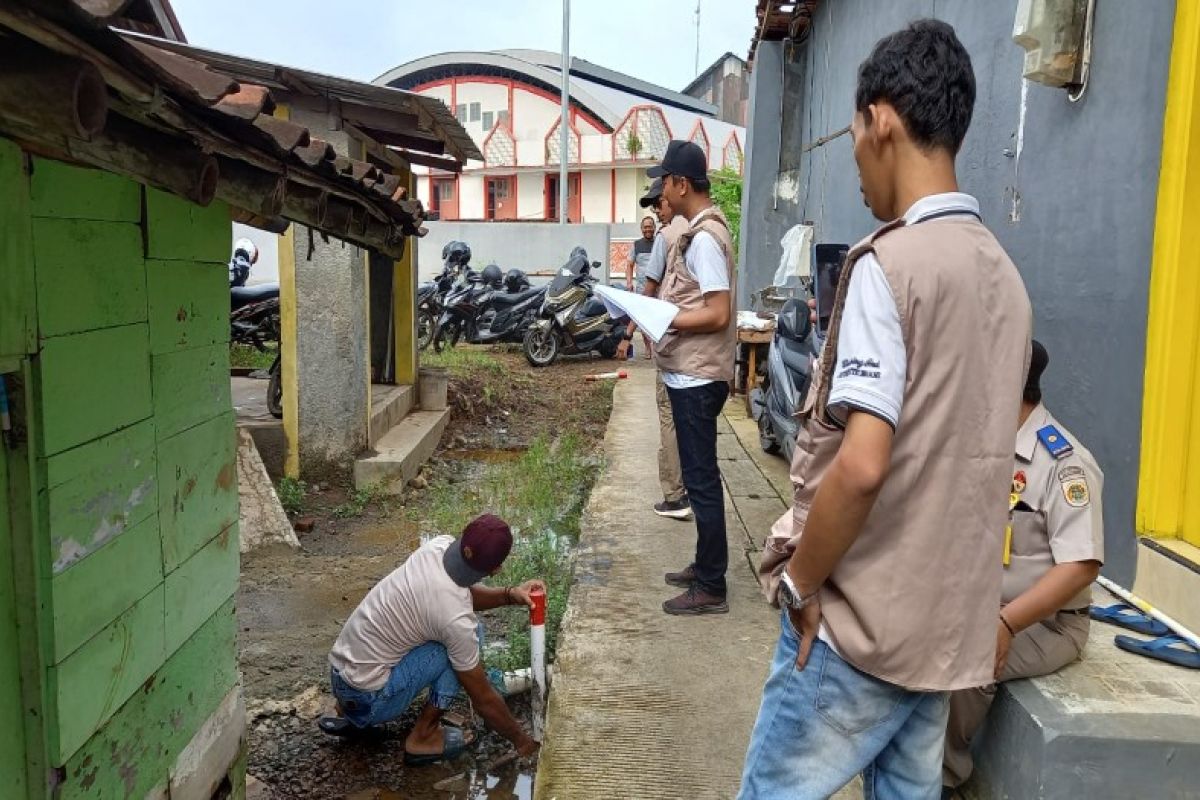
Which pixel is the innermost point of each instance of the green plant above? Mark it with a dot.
(243, 355)
(727, 194)
(633, 143)
(358, 501)
(292, 495)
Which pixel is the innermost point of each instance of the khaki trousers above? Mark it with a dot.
(670, 475)
(1038, 650)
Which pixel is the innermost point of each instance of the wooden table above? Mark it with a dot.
(752, 338)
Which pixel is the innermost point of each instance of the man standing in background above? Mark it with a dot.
(670, 477)
(637, 272)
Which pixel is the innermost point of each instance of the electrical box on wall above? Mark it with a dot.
(1052, 34)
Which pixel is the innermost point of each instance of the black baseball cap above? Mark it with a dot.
(684, 159)
(652, 194)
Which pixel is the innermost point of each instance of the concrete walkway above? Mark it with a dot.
(646, 705)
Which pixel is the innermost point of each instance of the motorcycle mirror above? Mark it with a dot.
(595, 265)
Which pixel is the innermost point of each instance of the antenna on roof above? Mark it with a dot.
(696, 71)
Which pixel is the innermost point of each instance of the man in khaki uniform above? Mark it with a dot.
(1054, 549)
(670, 475)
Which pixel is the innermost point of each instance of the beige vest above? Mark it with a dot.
(700, 355)
(914, 600)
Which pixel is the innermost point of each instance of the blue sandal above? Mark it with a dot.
(1130, 618)
(1164, 649)
(454, 742)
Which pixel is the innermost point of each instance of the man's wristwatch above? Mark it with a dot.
(789, 595)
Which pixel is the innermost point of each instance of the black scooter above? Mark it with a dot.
(431, 298)
(480, 311)
(788, 373)
(254, 321)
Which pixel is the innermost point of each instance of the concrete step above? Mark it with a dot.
(1111, 726)
(399, 453)
(389, 405)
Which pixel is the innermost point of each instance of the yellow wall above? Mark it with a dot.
(289, 374)
(1169, 478)
(404, 287)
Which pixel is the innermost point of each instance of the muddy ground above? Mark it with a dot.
(291, 604)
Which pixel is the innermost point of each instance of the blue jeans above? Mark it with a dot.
(695, 412)
(819, 726)
(424, 666)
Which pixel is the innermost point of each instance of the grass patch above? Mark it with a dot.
(246, 356)
(358, 501)
(292, 494)
(463, 360)
(480, 383)
(541, 495)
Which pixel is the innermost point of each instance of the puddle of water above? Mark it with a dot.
(476, 784)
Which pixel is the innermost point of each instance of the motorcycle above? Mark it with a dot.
(479, 312)
(572, 320)
(254, 321)
(431, 295)
(788, 373)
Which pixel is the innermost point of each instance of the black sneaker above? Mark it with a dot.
(675, 509)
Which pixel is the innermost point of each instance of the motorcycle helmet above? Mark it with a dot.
(492, 275)
(247, 248)
(458, 253)
(515, 281)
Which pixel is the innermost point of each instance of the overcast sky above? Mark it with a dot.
(650, 39)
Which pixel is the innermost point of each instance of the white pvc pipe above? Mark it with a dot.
(1134, 600)
(537, 658)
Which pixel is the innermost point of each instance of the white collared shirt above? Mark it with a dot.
(871, 360)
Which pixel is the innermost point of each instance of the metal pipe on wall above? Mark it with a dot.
(564, 127)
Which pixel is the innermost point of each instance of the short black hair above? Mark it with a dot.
(925, 73)
(699, 184)
(649, 219)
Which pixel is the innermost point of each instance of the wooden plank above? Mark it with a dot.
(64, 191)
(18, 304)
(94, 383)
(99, 490)
(189, 305)
(134, 752)
(197, 488)
(87, 598)
(89, 275)
(190, 387)
(12, 744)
(177, 230)
(97, 679)
(200, 586)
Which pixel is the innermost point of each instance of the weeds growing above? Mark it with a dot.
(292, 494)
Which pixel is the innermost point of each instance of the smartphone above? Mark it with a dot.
(827, 269)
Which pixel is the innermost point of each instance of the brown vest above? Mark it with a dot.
(700, 355)
(914, 600)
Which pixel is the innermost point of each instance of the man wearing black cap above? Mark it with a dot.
(1054, 546)
(670, 475)
(696, 359)
(417, 629)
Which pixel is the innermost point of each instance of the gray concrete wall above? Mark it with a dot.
(1075, 207)
(331, 334)
(531, 246)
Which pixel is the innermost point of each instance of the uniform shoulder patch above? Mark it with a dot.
(1053, 440)
(1075, 490)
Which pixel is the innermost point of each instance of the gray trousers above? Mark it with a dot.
(670, 474)
(1038, 650)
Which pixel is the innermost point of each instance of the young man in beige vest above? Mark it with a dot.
(695, 357)
(903, 465)
(670, 475)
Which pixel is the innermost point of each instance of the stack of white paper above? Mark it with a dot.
(651, 315)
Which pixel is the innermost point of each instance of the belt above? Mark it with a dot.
(1079, 612)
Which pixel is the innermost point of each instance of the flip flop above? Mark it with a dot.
(1164, 649)
(340, 727)
(454, 742)
(1130, 618)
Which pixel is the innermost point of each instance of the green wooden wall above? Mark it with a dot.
(132, 562)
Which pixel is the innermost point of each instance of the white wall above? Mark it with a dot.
(532, 117)
(596, 202)
(470, 196)
(531, 246)
(531, 202)
(631, 185)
